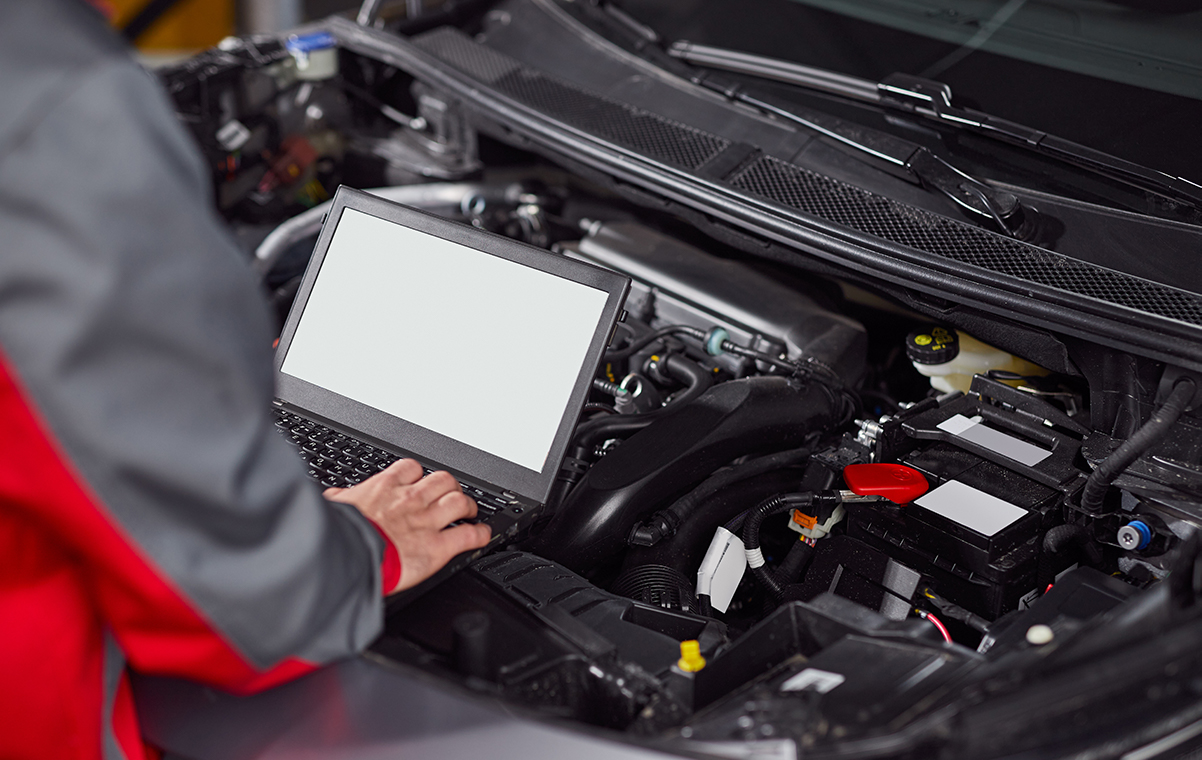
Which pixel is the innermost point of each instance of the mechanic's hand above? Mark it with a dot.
(414, 511)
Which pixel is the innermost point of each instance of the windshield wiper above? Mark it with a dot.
(899, 157)
(933, 100)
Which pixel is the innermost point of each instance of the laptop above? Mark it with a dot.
(416, 336)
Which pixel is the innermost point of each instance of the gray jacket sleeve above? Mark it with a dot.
(135, 328)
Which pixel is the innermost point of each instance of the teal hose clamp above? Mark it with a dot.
(714, 340)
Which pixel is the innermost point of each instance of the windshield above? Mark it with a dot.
(1118, 78)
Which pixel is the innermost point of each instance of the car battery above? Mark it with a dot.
(975, 534)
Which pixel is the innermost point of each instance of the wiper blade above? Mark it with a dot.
(900, 157)
(933, 100)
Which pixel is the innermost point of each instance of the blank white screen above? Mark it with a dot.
(472, 346)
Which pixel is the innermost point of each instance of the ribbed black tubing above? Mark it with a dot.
(751, 535)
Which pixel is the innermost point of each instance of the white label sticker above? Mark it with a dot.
(233, 135)
(812, 679)
(722, 569)
(994, 440)
(982, 512)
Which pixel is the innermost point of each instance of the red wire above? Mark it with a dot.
(938, 624)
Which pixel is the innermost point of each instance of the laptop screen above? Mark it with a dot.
(472, 346)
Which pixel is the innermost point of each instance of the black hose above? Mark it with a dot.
(666, 522)
(696, 380)
(1056, 542)
(751, 538)
(686, 548)
(1134, 447)
(642, 342)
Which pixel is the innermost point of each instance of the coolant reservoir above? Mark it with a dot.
(950, 359)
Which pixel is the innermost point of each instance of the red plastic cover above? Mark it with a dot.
(896, 482)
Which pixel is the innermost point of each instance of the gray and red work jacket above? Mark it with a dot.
(150, 515)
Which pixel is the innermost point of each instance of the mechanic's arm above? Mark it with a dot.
(135, 384)
(413, 512)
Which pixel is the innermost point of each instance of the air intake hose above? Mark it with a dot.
(684, 550)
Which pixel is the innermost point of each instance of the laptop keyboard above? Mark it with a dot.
(335, 459)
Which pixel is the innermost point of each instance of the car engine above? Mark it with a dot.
(786, 480)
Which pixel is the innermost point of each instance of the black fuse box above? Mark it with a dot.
(983, 567)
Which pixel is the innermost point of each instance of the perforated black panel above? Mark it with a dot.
(875, 215)
(450, 44)
(645, 132)
(683, 146)
(652, 135)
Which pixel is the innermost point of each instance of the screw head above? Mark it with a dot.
(1128, 537)
(1134, 535)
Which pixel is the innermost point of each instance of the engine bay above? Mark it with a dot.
(798, 506)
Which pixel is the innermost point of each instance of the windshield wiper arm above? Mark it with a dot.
(933, 100)
(899, 157)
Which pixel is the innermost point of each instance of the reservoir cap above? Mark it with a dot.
(933, 344)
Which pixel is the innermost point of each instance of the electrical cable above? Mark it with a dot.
(795, 563)
(947, 636)
(751, 536)
(956, 612)
(1056, 542)
(1152, 431)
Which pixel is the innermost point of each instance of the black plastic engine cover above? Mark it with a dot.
(514, 624)
(730, 420)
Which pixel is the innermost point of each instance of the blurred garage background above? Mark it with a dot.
(165, 30)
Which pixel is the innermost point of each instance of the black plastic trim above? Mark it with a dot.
(1087, 316)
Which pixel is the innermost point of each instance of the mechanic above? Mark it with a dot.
(150, 515)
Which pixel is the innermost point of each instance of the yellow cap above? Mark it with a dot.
(690, 656)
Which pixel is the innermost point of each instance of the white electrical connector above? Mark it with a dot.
(722, 569)
(810, 527)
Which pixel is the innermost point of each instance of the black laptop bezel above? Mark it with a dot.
(428, 446)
